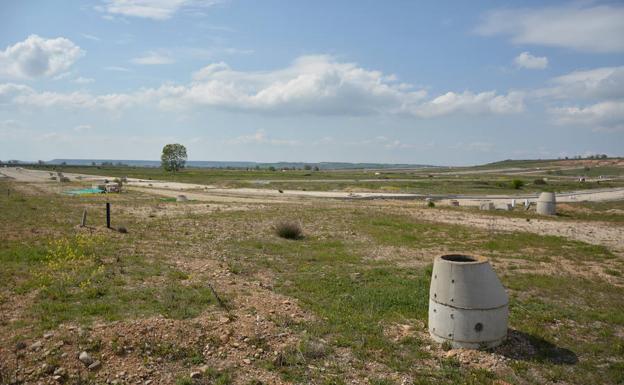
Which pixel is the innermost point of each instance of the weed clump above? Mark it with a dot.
(289, 230)
(517, 184)
(430, 204)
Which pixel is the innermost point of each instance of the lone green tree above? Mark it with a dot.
(173, 157)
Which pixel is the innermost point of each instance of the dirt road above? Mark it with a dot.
(25, 175)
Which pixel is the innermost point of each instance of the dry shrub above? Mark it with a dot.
(289, 230)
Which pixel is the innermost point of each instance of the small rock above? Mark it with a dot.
(85, 358)
(49, 335)
(20, 345)
(247, 361)
(58, 378)
(37, 345)
(195, 374)
(147, 382)
(203, 369)
(95, 365)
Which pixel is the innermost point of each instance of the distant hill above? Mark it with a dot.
(223, 164)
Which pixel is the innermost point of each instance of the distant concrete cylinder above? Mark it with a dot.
(468, 305)
(547, 204)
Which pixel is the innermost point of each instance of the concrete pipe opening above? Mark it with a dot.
(468, 305)
(459, 258)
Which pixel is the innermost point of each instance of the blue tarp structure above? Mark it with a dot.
(84, 191)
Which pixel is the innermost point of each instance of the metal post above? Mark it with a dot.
(83, 223)
(108, 215)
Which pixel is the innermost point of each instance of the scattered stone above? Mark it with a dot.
(20, 345)
(49, 335)
(95, 365)
(203, 369)
(85, 358)
(36, 346)
(59, 372)
(196, 374)
(247, 361)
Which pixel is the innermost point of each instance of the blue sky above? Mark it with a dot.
(368, 81)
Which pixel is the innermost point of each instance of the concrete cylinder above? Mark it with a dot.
(468, 305)
(546, 204)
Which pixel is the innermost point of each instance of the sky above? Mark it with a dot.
(439, 82)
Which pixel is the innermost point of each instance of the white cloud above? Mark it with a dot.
(316, 85)
(470, 103)
(601, 88)
(603, 116)
(117, 69)
(261, 137)
(312, 84)
(389, 143)
(9, 92)
(598, 83)
(526, 60)
(62, 76)
(83, 80)
(90, 37)
(321, 85)
(83, 128)
(577, 26)
(38, 57)
(153, 58)
(151, 9)
(20, 95)
(474, 146)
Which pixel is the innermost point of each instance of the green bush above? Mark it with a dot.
(517, 184)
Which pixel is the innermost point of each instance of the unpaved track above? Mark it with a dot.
(596, 233)
(24, 175)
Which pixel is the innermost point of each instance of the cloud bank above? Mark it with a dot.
(315, 85)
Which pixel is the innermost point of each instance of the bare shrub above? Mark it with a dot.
(289, 230)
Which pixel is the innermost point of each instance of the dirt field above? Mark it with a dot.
(204, 292)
